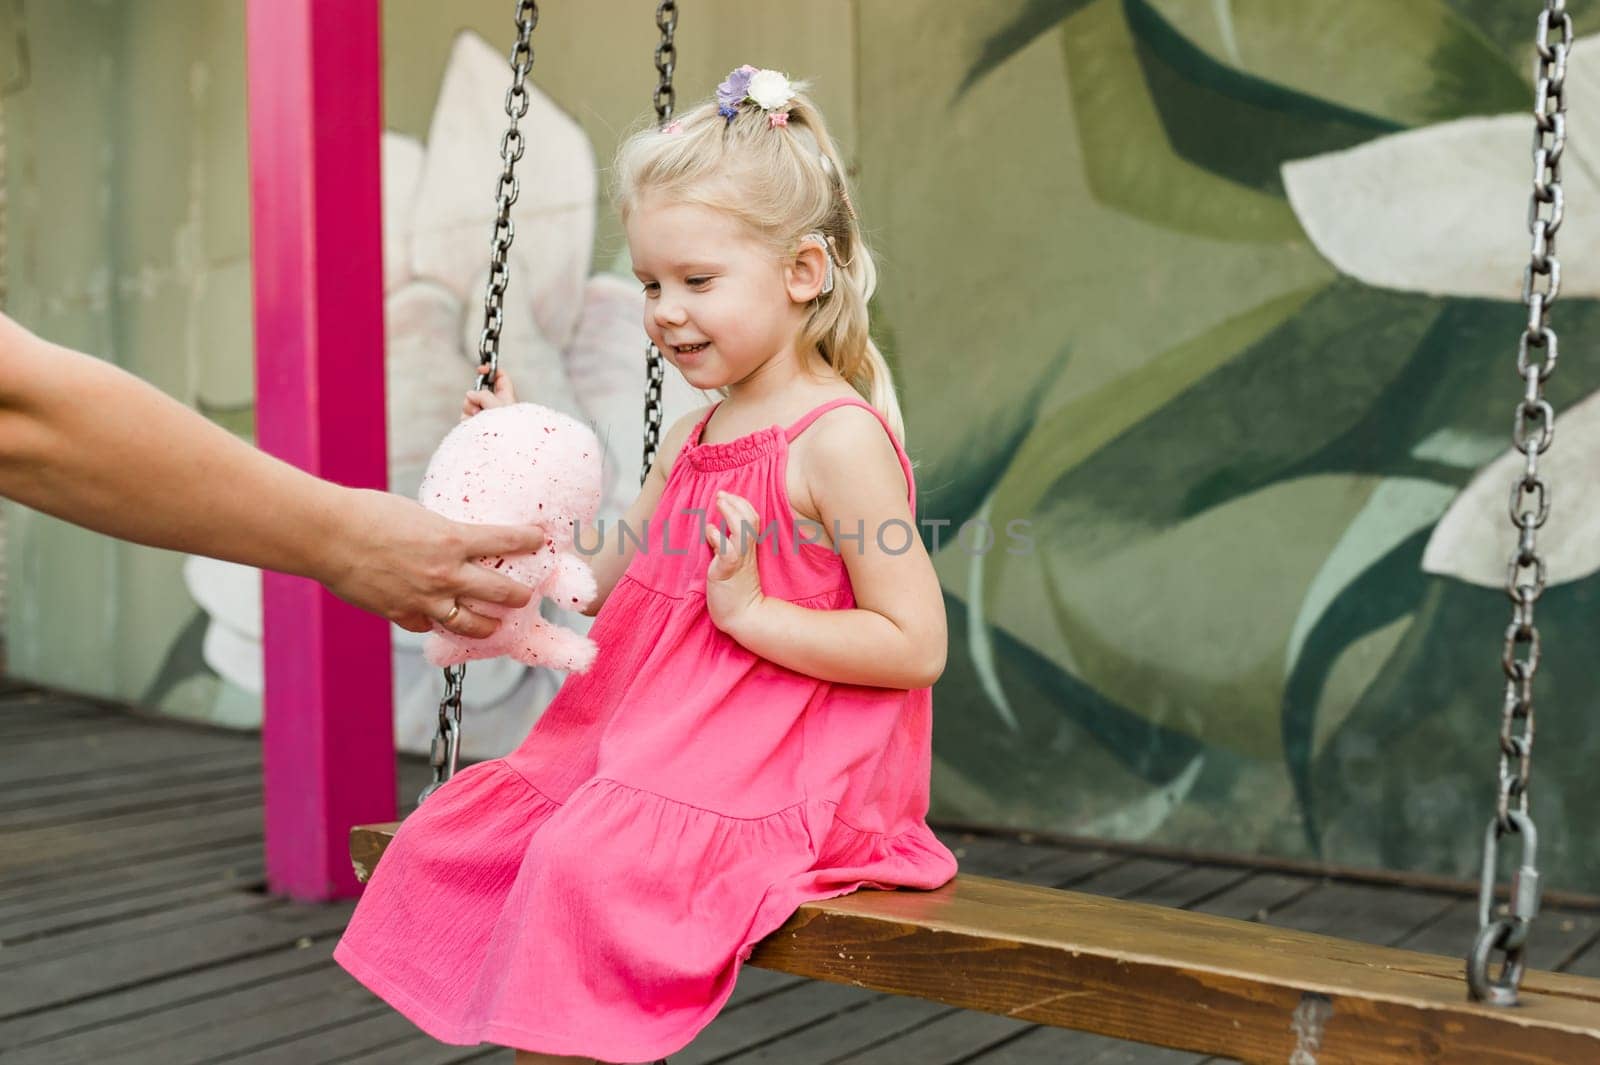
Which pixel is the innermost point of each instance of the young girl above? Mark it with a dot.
(756, 732)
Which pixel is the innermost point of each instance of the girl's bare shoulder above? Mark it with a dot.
(849, 456)
(676, 436)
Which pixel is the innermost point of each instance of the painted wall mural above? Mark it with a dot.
(1218, 296)
(1234, 329)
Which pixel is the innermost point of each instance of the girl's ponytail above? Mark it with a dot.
(839, 325)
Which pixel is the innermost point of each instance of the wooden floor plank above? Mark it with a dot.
(1039, 1046)
(245, 872)
(743, 1031)
(999, 856)
(142, 1005)
(1587, 964)
(25, 703)
(95, 883)
(144, 927)
(1063, 868)
(879, 1019)
(171, 796)
(19, 733)
(756, 984)
(1256, 898)
(951, 1037)
(407, 1050)
(1556, 935)
(380, 1031)
(70, 757)
(52, 723)
(130, 780)
(30, 857)
(313, 1017)
(1362, 912)
(64, 978)
(178, 785)
(179, 1029)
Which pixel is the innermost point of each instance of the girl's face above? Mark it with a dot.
(718, 302)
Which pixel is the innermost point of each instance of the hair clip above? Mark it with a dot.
(769, 90)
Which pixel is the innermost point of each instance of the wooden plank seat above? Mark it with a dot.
(1168, 977)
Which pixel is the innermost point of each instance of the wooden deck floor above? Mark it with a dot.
(134, 927)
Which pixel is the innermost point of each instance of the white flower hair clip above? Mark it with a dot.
(769, 90)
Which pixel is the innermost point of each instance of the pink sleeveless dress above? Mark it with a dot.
(594, 892)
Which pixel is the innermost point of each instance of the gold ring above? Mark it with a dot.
(455, 610)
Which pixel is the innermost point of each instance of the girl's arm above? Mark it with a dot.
(895, 637)
(615, 551)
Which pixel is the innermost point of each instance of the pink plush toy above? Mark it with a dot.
(522, 464)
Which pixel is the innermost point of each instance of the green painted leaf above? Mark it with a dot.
(986, 452)
(1358, 381)
(1130, 162)
(1036, 18)
(1459, 386)
(1234, 124)
(1412, 64)
(1387, 590)
(1248, 423)
(1408, 782)
(1072, 741)
(1509, 27)
(1071, 434)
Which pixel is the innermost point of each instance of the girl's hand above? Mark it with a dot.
(733, 583)
(482, 399)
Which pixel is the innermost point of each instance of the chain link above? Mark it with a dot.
(1532, 432)
(446, 746)
(665, 99)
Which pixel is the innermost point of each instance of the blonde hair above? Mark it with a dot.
(783, 182)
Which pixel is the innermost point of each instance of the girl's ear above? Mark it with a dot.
(804, 277)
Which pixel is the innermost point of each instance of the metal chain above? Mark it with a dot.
(1532, 433)
(446, 746)
(665, 99)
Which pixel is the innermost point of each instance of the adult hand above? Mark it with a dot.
(415, 568)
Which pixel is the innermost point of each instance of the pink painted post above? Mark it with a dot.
(315, 123)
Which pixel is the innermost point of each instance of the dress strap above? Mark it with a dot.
(806, 419)
(855, 401)
(700, 427)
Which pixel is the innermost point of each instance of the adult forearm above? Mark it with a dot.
(86, 442)
(843, 646)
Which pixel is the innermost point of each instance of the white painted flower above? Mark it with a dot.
(770, 89)
(1475, 539)
(1443, 210)
(571, 341)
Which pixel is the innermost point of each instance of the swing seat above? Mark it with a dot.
(1172, 978)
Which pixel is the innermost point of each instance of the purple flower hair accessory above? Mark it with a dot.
(769, 90)
(732, 91)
